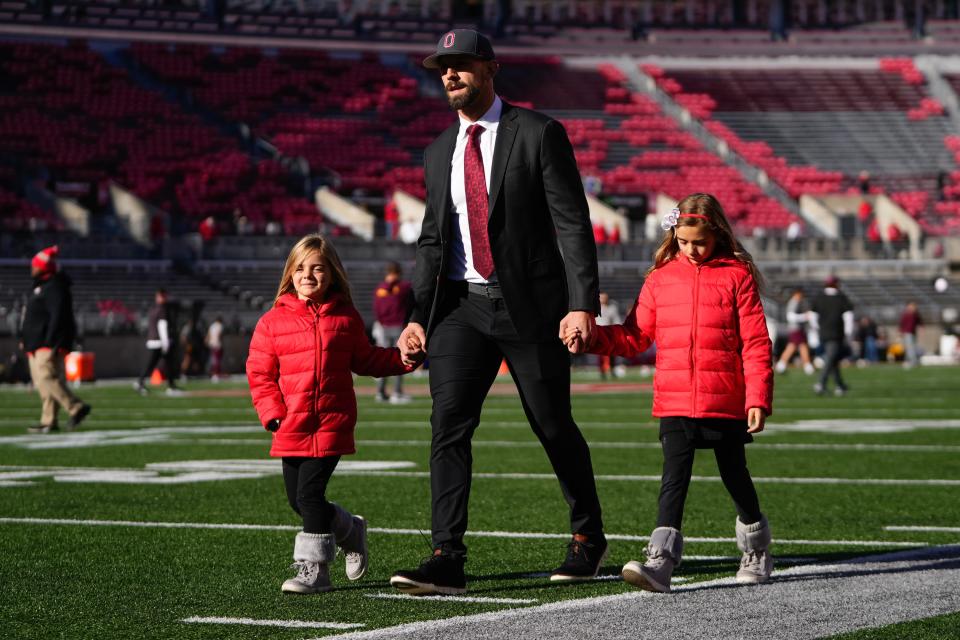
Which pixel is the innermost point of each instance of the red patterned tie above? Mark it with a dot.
(475, 184)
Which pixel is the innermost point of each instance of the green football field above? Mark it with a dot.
(164, 517)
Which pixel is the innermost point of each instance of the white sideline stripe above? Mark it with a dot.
(388, 633)
(476, 599)
(919, 528)
(417, 532)
(292, 624)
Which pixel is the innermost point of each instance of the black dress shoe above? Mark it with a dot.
(438, 574)
(584, 557)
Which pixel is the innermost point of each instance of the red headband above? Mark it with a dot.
(693, 215)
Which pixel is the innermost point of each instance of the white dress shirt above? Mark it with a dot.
(461, 254)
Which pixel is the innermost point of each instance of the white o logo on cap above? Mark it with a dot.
(448, 40)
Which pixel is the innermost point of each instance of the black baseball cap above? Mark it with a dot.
(461, 42)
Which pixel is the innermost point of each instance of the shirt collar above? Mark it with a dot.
(489, 121)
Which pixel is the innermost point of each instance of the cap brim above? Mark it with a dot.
(433, 61)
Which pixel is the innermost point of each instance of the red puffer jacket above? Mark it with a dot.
(301, 356)
(713, 349)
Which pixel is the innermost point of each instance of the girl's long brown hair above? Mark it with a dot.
(304, 247)
(716, 222)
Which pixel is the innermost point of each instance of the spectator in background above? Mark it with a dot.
(910, 323)
(798, 316)
(214, 343)
(391, 218)
(609, 315)
(613, 237)
(208, 233)
(47, 334)
(832, 316)
(273, 228)
(599, 234)
(392, 304)
(867, 337)
(193, 339)
(863, 182)
(158, 232)
(160, 332)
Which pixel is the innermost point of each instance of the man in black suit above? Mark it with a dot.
(504, 198)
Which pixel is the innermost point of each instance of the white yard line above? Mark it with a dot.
(417, 532)
(479, 442)
(904, 482)
(921, 528)
(290, 624)
(208, 470)
(477, 599)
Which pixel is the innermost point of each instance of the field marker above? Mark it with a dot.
(474, 599)
(919, 528)
(521, 535)
(291, 624)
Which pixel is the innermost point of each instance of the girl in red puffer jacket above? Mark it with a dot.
(301, 357)
(713, 386)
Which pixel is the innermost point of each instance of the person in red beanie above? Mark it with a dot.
(47, 334)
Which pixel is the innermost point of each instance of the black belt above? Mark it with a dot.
(491, 291)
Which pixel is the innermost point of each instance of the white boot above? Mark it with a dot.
(351, 534)
(312, 552)
(756, 565)
(663, 555)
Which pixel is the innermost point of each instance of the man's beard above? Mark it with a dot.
(465, 100)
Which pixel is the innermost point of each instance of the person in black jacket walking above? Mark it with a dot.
(832, 316)
(47, 334)
(161, 338)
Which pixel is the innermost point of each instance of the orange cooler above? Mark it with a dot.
(78, 366)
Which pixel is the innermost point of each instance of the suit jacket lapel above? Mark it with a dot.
(506, 133)
(443, 201)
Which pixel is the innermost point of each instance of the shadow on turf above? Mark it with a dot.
(949, 559)
(524, 581)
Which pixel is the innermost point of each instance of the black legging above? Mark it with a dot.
(832, 351)
(678, 454)
(169, 368)
(306, 482)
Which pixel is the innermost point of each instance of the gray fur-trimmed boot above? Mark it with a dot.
(351, 534)
(312, 553)
(663, 554)
(754, 540)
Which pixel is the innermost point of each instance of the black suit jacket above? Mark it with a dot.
(48, 321)
(539, 226)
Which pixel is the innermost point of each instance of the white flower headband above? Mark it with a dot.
(669, 221)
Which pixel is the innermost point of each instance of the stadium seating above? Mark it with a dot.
(836, 121)
(69, 111)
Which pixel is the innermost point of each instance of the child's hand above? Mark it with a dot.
(574, 341)
(756, 419)
(411, 344)
(413, 351)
